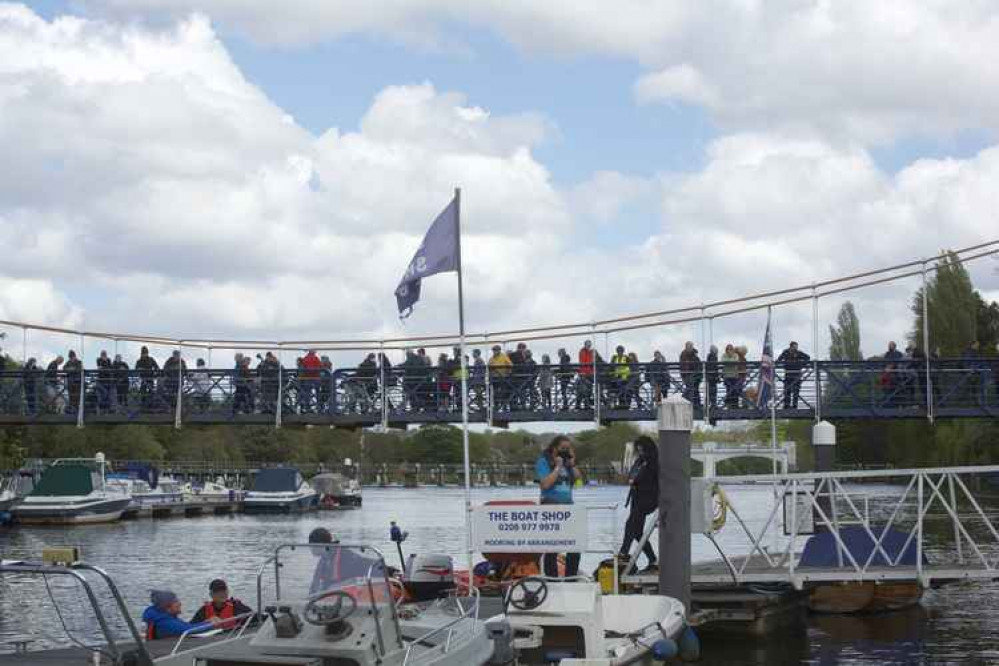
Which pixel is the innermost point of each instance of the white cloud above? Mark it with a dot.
(36, 301)
(606, 193)
(160, 180)
(854, 70)
(681, 83)
(159, 192)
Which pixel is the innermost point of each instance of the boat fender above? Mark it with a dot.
(664, 649)
(501, 634)
(689, 645)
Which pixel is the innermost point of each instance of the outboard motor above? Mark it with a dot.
(501, 634)
(429, 576)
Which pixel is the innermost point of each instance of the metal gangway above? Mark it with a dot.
(939, 522)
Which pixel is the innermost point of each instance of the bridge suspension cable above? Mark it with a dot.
(688, 314)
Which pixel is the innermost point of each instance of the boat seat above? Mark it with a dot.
(626, 614)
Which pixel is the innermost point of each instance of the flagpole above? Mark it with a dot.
(464, 395)
(773, 416)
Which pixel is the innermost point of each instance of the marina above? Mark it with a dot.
(433, 519)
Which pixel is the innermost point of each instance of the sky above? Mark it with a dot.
(262, 170)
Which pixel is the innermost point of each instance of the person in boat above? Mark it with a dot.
(222, 606)
(557, 472)
(162, 617)
(337, 564)
(643, 498)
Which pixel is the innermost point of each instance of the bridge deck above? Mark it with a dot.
(355, 397)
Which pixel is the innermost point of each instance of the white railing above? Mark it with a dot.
(920, 525)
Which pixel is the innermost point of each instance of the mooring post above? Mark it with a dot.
(824, 446)
(676, 420)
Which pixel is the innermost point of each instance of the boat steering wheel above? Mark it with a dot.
(527, 593)
(324, 614)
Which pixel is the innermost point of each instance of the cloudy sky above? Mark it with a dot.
(263, 169)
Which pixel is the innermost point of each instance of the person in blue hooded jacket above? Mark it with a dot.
(162, 617)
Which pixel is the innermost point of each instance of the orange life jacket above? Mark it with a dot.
(228, 612)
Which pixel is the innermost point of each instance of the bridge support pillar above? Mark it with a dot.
(676, 420)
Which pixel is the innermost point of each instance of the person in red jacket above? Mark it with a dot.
(222, 606)
(584, 383)
(312, 367)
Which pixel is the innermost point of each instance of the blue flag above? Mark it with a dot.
(438, 253)
(766, 387)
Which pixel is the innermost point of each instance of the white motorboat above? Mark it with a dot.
(167, 491)
(337, 491)
(8, 493)
(280, 490)
(334, 605)
(559, 621)
(210, 492)
(73, 491)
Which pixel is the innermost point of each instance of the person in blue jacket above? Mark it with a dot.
(556, 474)
(162, 618)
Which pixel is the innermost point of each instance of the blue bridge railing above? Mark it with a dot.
(402, 395)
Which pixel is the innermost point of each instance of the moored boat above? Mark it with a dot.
(337, 491)
(280, 490)
(73, 491)
(211, 492)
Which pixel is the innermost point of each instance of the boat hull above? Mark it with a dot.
(54, 513)
(262, 503)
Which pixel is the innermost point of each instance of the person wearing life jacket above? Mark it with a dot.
(223, 607)
(621, 372)
(162, 617)
(338, 567)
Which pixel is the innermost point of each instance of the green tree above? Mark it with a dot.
(953, 308)
(988, 324)
(436, 444)
(845, 335)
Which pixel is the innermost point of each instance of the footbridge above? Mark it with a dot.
(284, 389)
(397, 397)
(709, 454)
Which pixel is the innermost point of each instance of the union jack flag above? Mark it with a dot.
(766, 387)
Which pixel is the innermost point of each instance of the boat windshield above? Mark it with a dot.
(67, 480)
(307, 571)
(277, 481)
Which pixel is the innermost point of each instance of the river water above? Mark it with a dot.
(958, 624)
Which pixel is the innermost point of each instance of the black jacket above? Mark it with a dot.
(644, 480)
(793, 360)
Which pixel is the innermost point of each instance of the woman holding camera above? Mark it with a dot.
(556, 472)
(643, 497)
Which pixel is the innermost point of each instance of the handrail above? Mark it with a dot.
(74, 572)
(119, 600)
(976, 251)
(464, 615)
(248, 616)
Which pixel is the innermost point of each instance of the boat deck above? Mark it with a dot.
(80, 657)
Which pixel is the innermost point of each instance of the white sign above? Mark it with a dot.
(545, 528)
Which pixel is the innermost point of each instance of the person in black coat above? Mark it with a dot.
(794, 361)
(643, 497)
(30, 373)
(121, 382)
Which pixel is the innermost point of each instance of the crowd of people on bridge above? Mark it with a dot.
(508, 380)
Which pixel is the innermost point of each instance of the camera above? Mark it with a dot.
(565, 456)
